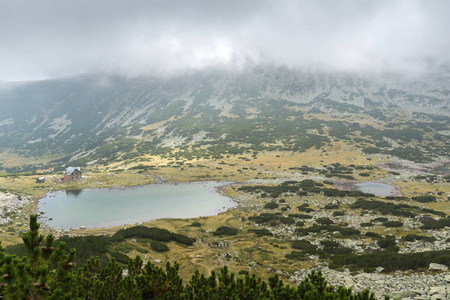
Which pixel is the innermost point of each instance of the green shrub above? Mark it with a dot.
(338, 213)
(436, 224)
(287, 221)
(415, 237)
(424, 199)
(393, 224)
(304, 216)
(159, 246)
(296, 255)
(120, 257)
(331, 206)
(345, 231)
(225, 230)
(303, 245)
(392, 261)
(386, 242)
(271, 205)
(324, 221)
(372, 234)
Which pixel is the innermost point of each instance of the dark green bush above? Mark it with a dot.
(287, 221)
(372, 234)
(225, 230)
(393, 224)
(304, 216)
(120, 258)
(349, 231)
(436, 224)
(271, 205)
(415, 237)
(159, 246)
(324, 221)
(330, 243)
(338, 213)
(303, 245)
(392, 261)
(424, 199)
(296, 255)
(331, 206)
(386, 242)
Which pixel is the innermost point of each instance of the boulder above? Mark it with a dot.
(437, 290)
(404, 294)
(419, 292)
(437, 267)
(348, 282)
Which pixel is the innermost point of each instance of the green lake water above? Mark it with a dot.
(96, 208)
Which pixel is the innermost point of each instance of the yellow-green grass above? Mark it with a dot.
(9, 159)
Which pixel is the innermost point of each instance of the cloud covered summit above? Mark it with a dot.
(42, 39)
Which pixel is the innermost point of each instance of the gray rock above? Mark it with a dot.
(348, 282)
(419, 292)
(438, 267)
(404, 294)
(447, 278)
(438, 297)
(158, 261)
(437, 290)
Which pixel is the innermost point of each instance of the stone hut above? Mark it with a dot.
(72, 173)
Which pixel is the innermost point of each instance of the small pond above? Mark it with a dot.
(376, 188)
(95, 208)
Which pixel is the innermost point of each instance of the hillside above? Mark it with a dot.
(99, 118)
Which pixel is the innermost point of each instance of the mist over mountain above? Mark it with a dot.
(46, 39)
(76, 116)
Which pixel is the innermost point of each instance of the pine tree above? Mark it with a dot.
(45, 273)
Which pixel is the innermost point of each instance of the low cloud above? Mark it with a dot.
(41, 39)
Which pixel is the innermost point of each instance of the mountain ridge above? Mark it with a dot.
(76, 115)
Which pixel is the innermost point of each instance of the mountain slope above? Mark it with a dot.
(106, 117)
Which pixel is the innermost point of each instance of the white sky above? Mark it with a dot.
(50, 38)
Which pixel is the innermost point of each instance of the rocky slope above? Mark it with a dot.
(76, 115)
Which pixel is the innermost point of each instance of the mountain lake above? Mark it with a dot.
(379, 189)
(99, 208)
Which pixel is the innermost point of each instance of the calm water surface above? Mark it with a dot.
(376, 188)
(96, 208)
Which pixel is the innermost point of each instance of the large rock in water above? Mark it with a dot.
(438, 267)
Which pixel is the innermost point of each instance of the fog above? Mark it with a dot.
(47, 38)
